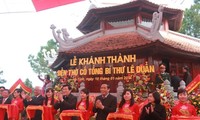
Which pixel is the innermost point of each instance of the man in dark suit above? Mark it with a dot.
(187, 78)
(104, 103)
(5, 99)
(175, 81)
(37, 99)
(67, 101)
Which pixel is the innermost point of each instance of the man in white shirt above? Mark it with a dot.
(37, 99)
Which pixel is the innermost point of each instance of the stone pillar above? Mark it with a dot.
(82, 85)
(182, 85)
(120, 89)
(168, 87)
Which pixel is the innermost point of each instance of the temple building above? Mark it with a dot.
(124, 40)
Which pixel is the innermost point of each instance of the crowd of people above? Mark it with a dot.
(172, 77)
(101, 107)
(104, 104)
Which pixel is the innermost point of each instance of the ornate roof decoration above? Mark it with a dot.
(154, 33)
(66, 43)
(157, 20)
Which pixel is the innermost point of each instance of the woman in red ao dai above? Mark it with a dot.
(50, 100)
(183, 108)
(18, 100)
(85, 105)
(127, 104)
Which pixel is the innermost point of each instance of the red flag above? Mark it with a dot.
(193, 84)
(46, 4)
(24, 87)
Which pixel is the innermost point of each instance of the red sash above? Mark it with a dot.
(121, 116)
(185, 118)
(67, 114)
(12, 111)
(3, 109)
(47, 113)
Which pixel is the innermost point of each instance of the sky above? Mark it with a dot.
(23, 31)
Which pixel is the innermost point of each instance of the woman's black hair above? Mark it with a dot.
(18, 90)
(46, 98)
(86, 91)
(156, 97)
(47, 77)
(181, 90)
(123, 100)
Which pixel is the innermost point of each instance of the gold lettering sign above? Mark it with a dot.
(103, 60)
(114, 67)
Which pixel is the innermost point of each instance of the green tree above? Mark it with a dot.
(38, 63)
(28, 83)
(196, 1)
(2, 81)
(191, 21)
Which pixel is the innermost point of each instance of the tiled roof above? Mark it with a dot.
(181, 42)
(134, 40)
(112, 42)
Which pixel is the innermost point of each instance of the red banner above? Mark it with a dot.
(47, 4)
(194, 84)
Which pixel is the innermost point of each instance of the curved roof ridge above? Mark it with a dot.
(171, 6)
(181, 41)
(184, 36)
